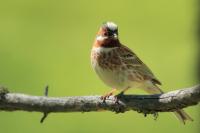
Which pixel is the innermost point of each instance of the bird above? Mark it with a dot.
(121, 69)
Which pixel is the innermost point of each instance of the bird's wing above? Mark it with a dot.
(132, 62)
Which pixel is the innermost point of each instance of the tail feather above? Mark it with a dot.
(180, 114)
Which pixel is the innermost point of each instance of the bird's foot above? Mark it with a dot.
(107, 95)
(118, 96)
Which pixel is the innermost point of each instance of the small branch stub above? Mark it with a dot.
(45, 114)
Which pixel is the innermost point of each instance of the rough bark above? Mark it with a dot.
(147, 104)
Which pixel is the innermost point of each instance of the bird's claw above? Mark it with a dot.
(117, 97)
(104, 97)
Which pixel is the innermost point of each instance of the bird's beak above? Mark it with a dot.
(115, 35)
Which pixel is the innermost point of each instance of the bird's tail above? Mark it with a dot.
(180, 114)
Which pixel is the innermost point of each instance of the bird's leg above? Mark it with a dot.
(118, 96)
(107, 95)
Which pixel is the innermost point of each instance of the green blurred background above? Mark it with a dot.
(48, 42)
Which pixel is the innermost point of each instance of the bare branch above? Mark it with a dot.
(148, 104)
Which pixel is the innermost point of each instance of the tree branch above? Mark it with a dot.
(147, 104)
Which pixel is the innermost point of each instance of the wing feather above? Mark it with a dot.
(131, 60)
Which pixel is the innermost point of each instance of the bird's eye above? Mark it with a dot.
(105, 34)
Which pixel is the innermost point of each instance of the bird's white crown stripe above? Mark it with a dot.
(111, 25)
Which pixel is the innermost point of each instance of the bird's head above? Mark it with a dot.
(108, 30)
(107, 34)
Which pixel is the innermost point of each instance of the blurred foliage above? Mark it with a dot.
(48, 42)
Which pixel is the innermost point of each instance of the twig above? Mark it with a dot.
(45, 114)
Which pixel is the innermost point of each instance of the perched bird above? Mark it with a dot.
(120, 68)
